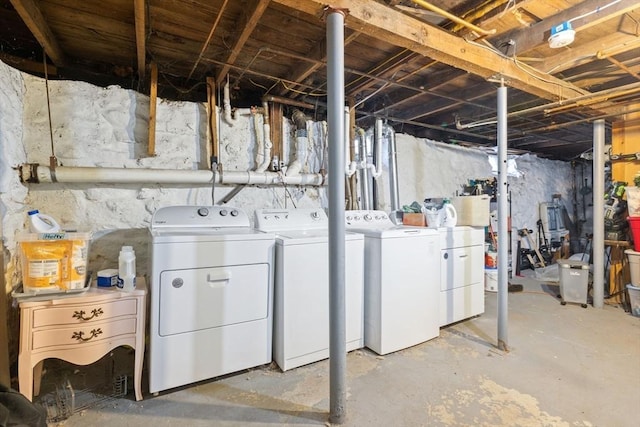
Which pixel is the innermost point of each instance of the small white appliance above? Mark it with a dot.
(402, 271)
(461, 273)
(211, 295)
(301, 294)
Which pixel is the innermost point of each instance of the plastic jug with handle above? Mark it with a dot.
(448, 216)
(42, 223)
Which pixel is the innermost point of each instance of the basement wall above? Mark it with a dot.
(107, 127)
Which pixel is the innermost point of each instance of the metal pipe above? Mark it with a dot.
(335, 123)
(503, 213)
(598, 213)
(287, 101)
(453, 18)
(393, 168)
(34, 173)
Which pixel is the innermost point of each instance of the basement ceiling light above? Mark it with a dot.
(561, 35)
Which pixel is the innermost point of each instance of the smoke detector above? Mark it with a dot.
(561, 35)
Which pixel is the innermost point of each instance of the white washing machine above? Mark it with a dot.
(402, 281)
(211, 295)
(301, 294)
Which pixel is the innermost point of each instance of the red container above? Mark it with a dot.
(634, 223)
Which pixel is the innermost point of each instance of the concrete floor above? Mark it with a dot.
(567, 366)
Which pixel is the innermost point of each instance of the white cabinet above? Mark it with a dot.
(461, 273)
(80, 329)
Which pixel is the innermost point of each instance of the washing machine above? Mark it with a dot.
(211, 286)
(301, 289)
(402, 281)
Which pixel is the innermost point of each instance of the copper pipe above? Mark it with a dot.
(453, 18)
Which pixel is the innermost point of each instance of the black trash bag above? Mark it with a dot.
(17, 410)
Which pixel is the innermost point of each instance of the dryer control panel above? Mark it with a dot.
(368, 219)
(291, 219)
(199, 217)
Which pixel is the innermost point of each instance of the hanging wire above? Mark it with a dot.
(52, 160)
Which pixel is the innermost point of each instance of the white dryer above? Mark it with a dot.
(301, 295)
(402, 281)
(211, 295)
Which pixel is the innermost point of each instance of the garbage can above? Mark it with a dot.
(574, 281)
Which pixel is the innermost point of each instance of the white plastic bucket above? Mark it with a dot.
(491, 280)
(634, 266)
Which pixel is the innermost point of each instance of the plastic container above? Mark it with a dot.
(634, 299)
(54, 262)
(491, 280)
(634, 266)
(634, 223)
(107, 278)
(42, 223)
(574, 281)
(472, 210)
(127, 269)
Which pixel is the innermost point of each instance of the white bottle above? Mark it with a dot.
(41, 223)
(127, 269)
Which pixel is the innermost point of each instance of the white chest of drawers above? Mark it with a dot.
(80, 329)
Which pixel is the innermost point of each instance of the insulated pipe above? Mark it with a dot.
(376, 164)
(454, 18)
(598, 213)
(350, 164)
(267, 144)
(393, 168)
(302, 141)
(364, 171)
(37, 174)
(503, 214)
(227, 106)
(335, 122)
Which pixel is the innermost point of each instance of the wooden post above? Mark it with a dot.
(153, 97)
(213, 120)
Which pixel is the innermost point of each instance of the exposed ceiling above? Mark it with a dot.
(427, 74)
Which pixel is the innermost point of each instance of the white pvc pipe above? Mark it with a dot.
(350, 164)
(65, 174)
(267, 144)
(376, 164)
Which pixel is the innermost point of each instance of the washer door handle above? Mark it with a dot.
(217, 280)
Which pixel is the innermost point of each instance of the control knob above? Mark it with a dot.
(203, 211)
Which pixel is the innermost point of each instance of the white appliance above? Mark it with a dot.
(211, 295)
(301, 294)
(461, 273)
(401, 285)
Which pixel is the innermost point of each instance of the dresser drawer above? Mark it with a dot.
(79, 334)
(79, 314)
(461, 267)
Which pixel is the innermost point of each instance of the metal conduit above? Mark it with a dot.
(335, 125)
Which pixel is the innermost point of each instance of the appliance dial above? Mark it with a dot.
(315, 215)
(367, 217)
(234, 212)
(203, 211)
(223, 212)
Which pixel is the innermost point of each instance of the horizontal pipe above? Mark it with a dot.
(454, 18)
(37, 174)
(287, 101)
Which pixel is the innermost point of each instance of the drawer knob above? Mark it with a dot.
(80, 335)
(80, 315)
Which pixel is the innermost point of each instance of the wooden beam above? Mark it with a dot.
(141, 36)
(32, 17)
(27, 64)
(530, 37)
(257, 8)
(387, 24)
(153, 98)
(213, 119)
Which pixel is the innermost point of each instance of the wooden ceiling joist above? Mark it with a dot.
(384, 23)
(33, 19)
(141, 36)
(256, 8)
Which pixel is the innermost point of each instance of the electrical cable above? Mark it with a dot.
(46, 82)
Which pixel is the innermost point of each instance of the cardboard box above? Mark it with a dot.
(416, 219)
(472, 210)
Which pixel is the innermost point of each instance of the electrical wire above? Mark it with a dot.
(46, 83)
(300, 91)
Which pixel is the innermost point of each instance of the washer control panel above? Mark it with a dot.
(291, 219)
(368, 219)
(199, 216)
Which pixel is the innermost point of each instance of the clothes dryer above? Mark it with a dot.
(211, 295)
(402, 281)
(301, 295)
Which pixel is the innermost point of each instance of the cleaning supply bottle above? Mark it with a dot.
(127, 269)
(41, 223)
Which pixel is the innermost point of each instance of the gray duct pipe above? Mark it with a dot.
(335, 123)
(598, 213)
(503, 214)
(393, 168)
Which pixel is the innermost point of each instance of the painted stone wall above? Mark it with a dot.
(107, 127)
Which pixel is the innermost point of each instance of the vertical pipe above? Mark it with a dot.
(335, 123)
(393, 170)
(598, 213)
(503, 213)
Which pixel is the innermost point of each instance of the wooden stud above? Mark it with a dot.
(32, 17)
(153, 97)
(213, 120)
(141, 36)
